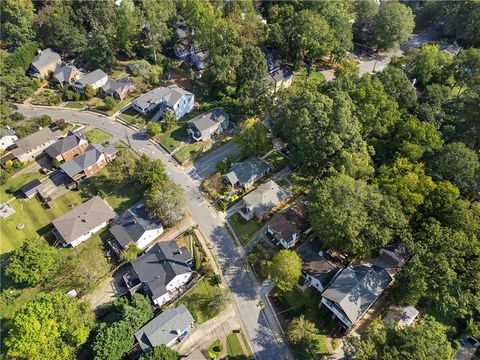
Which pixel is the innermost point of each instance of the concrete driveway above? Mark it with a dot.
(111, 289)
(207, 165)
(464, 353)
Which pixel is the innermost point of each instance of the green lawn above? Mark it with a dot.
(174, 137)
(133, 117)
(316, 76)
(16, 182)
(275, 159)
(120, 104)
(193, 300)
(234, 347)
(97, 136)
(187, 151)
(76, 104)
(244, 229)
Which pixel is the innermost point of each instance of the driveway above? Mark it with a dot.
(464, 353)
(207, 165)
(111, 289)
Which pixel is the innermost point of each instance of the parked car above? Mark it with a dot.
(473, 341)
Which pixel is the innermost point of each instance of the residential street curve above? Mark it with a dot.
(253, 310)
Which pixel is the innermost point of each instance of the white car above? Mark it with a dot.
(473, 341)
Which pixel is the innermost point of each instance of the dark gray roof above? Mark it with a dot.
(31, 187)
(279, 74)
(132, 224)
(211, 119)
(36, 139)
(117, 86)
(170, 95)
(63, 72)
(159, 265)
(7, 132)
(83, 218)
(61, 146)
(317, 263)
(88, 158)
(272, 63)
(45, 58)
(265, 197)
(356, 288)
(164, 328)
(90, 78)
(243, 172)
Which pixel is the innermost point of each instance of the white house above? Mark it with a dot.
(286, 227)
(7, 137)
(83, 221)
(135, 226)
(96, 79)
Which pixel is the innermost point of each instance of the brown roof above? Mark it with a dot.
(83, 218)
(281, 225)
(36, 139)
(297, 215)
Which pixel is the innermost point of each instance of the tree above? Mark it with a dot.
(122, 167)
(90, 91)
(169, 120)
(467, 25)
(53, 326)
(366, 11)
(432, 104)
(156, 15)
(398, 86)
(127, 23)
(161, 352)
(252, 137)
(285, 270)
(109, 103)
(166, 204)
(153, 128)
(130, 253)
(138, 311)
(32, 262)
(431, 65)
(458, 164)
(352, 216)
(101, 52)
(467, 69)
(113, 341)
(17, 21)
(150, 173)
(303, 335)
(393, 25)
(407, 182)
(22, 57)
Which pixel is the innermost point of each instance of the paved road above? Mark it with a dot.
(207, 165)
(260, 325)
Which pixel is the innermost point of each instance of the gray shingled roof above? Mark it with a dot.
(88, 158)
(45, 58)
(6, 132)
(159, 265)
(210, 119)
(164, 328)
(132, 224)
(265, 197)
(61, 146)
(63, 73)
(243, 172)
(83, 218)
(116, 86)
(170, 95)
(279, 74)
(91, 78)
(34, 140)
(356, 288)
(31, 187)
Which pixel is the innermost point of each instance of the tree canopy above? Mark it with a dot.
(252, 137)
(285, 269)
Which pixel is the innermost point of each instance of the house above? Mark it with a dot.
(287, 226)
(280, 78)
(91, 161)
(171, 97)
(6, 159)
(318, 268)
(204, 126)
(44, 63)
(263, 200)
(118, 89)
(135, 226)
(30, 190)
(83, 221)
(354, 291)
(168, 328)
(7, 137)
(66, 74)
(393, 256)
(96, 79)
(68, 147)
(198, 59)
(30, 146)
(161, 272)
(243, 175)
(183, 48)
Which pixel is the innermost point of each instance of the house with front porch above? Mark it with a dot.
(212, 122)
(44, 64)
(96, 79)
(286, 227)
(66, 74)
(243, 175)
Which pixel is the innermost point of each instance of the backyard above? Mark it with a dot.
(97, 136)
(244, 229)
(16, 182)
(275, 159)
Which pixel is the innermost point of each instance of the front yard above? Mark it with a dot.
(275, 159)
(133, 117)
(244, 229)
(97, 136)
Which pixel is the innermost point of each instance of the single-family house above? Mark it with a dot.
(136, 226)
(6, 159)
(243, 175)
(318, 268)
(118, 89)
(168, 328)
(286, 227)
(183, 48)
(171, 97)
(30, 189)
(67, 147)
(161, 272)
(83, 221)
(8, 136)
(204, 126)
(355, 289)
(280, 78)
(44, 63)
(96, 79)
(66, 74)
(30, 146)
(263, 200)
(198, 59)
(91, 161)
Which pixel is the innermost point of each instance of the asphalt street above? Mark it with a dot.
(256, 316)
(207, 165)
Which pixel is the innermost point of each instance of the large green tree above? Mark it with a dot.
(166, 203)
(398, 86)
(305, 338)
(467, 70)
(17, 17)
(113, 341)
(285, 270)
(252, 137)
(352, 216)
(127, 26)
(431, 65)
(52, 326)
(161, 352)
(32, 262)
